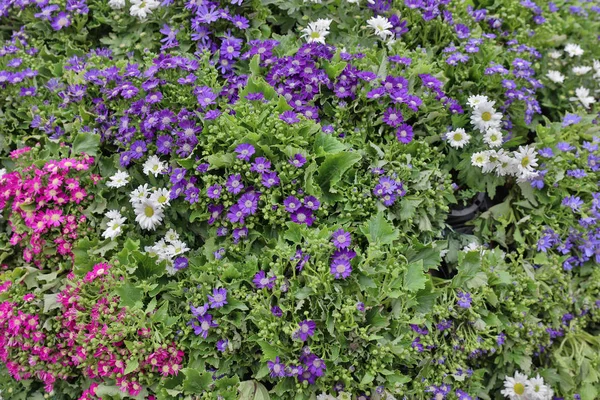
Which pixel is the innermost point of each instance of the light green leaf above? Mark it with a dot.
(129, 294)
(132, 365)
(195, 382)
(87, 143)
(330, 172)
(415, 278)
(379, 230)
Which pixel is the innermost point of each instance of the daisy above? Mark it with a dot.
(538, 390)
(171, 236)
(113, 214)
(573, 50)
(139, 194)
(113, 228)
(485, 116)
(581, 70)
(526, 158)
(493, 138)
(116, 4)
(474, 101)
(381, 26)
(555, 76)
(161, 197)
(515, 387)
(315, 32)
(119, 179)
(583, 95)
(142, 8)
(480, 159)
(154, 165)
(458, 138)
(556, 54)
(149, 214)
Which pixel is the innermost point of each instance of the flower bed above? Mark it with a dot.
(287, 199)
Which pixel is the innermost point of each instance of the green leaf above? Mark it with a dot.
(195, 382)
(415, 278)
(589, 392)
(87, 143)
(50, 302)
(368, 378)
(379, 230)
(327, 144)
(129, 294)
(252, 390)
(408, 206)
(132, 365)
(469, 264)
(330, 172)
(269, 351)
(147, 267)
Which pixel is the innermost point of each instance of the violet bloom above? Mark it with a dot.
(305, 330)
(303, 216)
(203, 325)
(298, 160)
(245, 151)
(222, 345)
(404, 133)
(571, 119)
(214, 191)
(291, 204)
(572, 202)
(315, 365)
(261, 280)
(341, 239)
(311, 202)
(464, 299)
(260, 165)
(199, 311)
(276, 311)
(218, 298)
(289, 117)
(214, 211)
(270, 179)
(393, 117)
(234, 184)
(277, 368)
(248, 203)
(180, 263)
(462, 31)
(62, 20)
(236, 214)
(340, 268)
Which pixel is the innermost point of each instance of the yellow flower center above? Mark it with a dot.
(519, 388)
(525, 161)
(457, 137)
(486, 116)
(149, 211)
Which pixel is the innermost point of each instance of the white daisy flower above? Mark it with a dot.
(323, 24)
(493, 138)
(142, 8)
(526, 158)
(515, 388)
(506, 165)
(113, 228)
(170, 269)
(149, 214)
(113, 214)
(493, 157)
(573, 50)
(178, 247)
(171, 236)
(2, 172)
(480, 159)
(119, 179)
(116, 4)
(161, 197)
(556, 54)
(154, 166)
(139, 194)
(555, 76)
(581, 70)
(583, 95)
(458, 138)
(485, 116)
(314, 33)
(538, 390)
(474, 101)
(381, 26)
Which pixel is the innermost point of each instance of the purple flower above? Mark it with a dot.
(245, 151)
(462, 31)
(180, 263)
(205, 96)
(270, 179)
(546, 152)
(199, 311)
(501, 338)
(464, 299)
(248, 203)
(404, 133)
(62, 20)
(315, 365)
(572, 202)
(218, 298)
(276, 311)
(570, 119)
(305, 330)
(234, 184)
(236, 214)
(261, 280)
(443, 325)
(341, 239)
(393, 117)
(222, 345)
(360, 306)
(178, 175)
(291, 204)
(303, 216)
(340, 268)
(214, 211)
(289, 117)
(260, 165)
(203, 324)
(214, 191)
(298, 160)
(277, 368)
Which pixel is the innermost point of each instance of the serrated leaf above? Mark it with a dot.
(195, 382)
(415, 278)
(85, 142)
(129, 294)
(330, 172)
(132, 365)
(379, 230)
